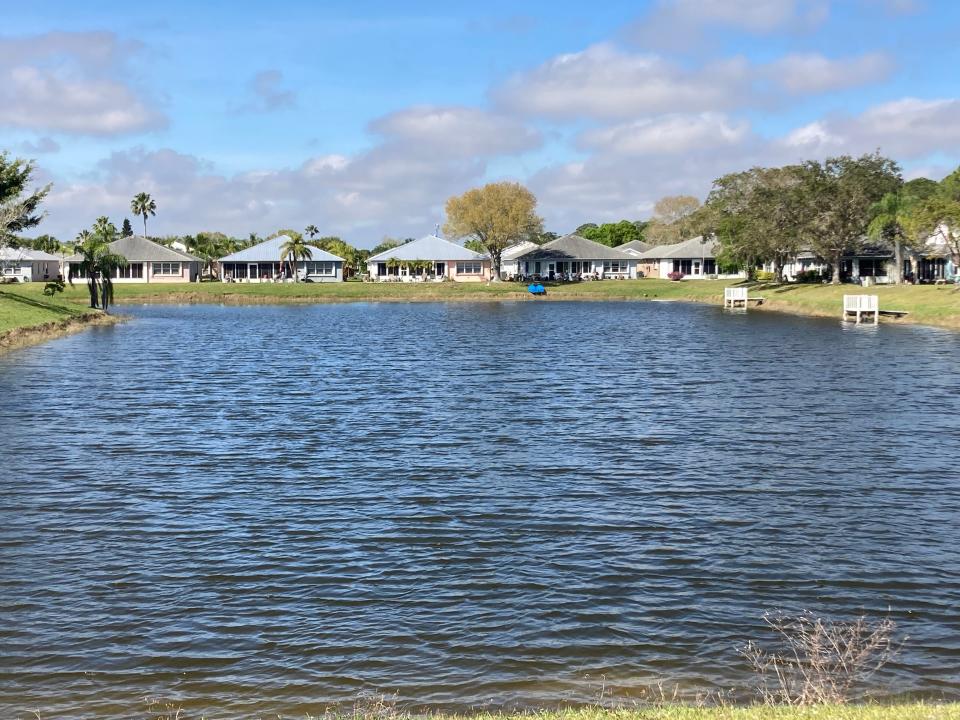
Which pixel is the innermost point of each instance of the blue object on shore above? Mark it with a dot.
(537, 289)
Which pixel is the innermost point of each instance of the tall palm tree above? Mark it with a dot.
(890, 217)
(143, 204)
(312, 231)
(98, 263)
(83, 235)
(294, 250)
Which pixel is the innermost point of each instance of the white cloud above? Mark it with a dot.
(668, 135)
(267, 93)
(604, 82)
(682, 24)
(904, 129)
(398, 187)
(42, 146)
(459, 131)
(808, 73)
(74, 83)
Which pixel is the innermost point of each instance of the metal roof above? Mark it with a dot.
(430, 247)
(9, 253)
(576, 248)
(137, 248)
(269, 251)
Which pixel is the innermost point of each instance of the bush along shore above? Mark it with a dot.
(26, 313)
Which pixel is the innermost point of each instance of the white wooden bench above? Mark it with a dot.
(732, 296)
(860, 305)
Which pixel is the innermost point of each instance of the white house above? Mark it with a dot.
(572, 255)
(147, 262)
(508, 258)
(26, 265)
(447, 261)
(695, 259)
(262, 263)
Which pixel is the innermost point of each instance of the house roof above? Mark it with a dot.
(518, 249)
(269, 251)
(9, 253)
(636, 246)
(693, 248)
(137, 248)
(430, 247)
(576, 248)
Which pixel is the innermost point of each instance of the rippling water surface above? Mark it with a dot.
(266, 509)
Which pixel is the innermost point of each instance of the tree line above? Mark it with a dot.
(832, 208)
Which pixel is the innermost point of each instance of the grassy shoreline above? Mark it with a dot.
(29, 318)
(26, 315)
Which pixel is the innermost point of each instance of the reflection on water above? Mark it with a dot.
(265, 509)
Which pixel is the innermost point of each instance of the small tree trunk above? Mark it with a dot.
(836, 268)
(92, 287)
(496, 257)
(778, 268)
(897, 261)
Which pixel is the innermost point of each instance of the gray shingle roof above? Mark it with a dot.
(430, 247)
(269, 251)
(693, 248)
(635, 245)
(576, 248)
(137, 248)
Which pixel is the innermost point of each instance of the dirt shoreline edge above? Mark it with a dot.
(35, 334)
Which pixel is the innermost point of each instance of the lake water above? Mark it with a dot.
(266, 509)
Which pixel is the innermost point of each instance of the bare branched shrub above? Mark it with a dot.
(820, 661)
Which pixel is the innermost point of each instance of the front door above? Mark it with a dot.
(253, 272)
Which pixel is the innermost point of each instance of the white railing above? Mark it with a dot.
(862, 304)
(734, 295)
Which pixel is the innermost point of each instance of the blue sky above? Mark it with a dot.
(363, 117)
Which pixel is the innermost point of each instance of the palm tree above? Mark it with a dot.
(143, 204)
(312, 231)
(890, 216)
(98, 263)
(82, 236)
(294, 250)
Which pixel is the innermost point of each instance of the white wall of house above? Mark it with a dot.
(605, 268)
(27, 270)
(256, 272)
(694, 269)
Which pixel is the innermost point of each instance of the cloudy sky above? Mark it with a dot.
(362, 117)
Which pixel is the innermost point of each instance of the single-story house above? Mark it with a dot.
(875, 260)
(508, 258)
(26, 265)
(637, 248)
(262, 263)
(430, 257)
(694, 258)
(147, 262)
(572, 255)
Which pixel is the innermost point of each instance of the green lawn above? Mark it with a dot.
(25, 306)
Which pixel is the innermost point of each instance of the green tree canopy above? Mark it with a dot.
(19, 205)
(498, 215)
(144, 206)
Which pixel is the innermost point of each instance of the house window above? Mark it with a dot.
(871, 267)
(615, 266)
(709, 266)
(238, 271)
(471, 267)
(683, 266)
(133, 271)
(321, 268)
(166, 268)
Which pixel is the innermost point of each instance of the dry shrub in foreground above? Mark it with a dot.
(820, 661)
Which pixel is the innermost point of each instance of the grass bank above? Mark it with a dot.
(27, 316)
(911, 711)
(926, 304)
